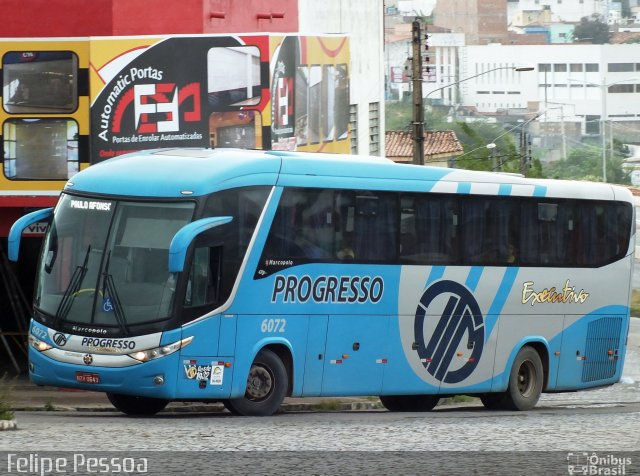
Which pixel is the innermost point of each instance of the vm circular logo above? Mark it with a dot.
(60, 339)
(451, 351)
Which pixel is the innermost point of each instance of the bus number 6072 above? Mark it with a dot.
(273, 325)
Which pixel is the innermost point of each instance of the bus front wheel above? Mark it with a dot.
(137, 406)
(409, 403)
(267, 385)
(525, 381)
(492, 401)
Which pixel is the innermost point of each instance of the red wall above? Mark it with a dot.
(242, 16)
(38, 18)
(41, 18)
(151, 17)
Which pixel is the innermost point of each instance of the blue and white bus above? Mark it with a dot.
(246, 277)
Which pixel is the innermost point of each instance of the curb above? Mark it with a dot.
(323, 406)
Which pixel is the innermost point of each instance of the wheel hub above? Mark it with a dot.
(259, 383)
(526, 378)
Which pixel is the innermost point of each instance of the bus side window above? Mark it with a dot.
(489, 231)
(407, 229)
(375, 227)
(303, 226)
(203, 286)
(436, 221)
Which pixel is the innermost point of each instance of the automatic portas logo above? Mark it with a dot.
(157, 106)
(450, 351)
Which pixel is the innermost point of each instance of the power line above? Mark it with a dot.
(502, 135)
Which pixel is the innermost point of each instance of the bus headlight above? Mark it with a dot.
(37, 344)
(150, 354)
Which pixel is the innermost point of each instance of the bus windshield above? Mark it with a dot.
(105, 262)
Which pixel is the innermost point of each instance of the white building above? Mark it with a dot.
(362, 20)
(570, 83)
(441, 69)
(444, 53)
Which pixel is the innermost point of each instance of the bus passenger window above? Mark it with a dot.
(546, 233)
(428, 234)
(489, 231)
(303, 227)
(375, 227)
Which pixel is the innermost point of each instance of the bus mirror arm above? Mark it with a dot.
(18, 227)
(185, 235)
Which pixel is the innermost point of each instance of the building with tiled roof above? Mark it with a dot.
(440, 147)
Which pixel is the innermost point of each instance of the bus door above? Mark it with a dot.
(315, 355)
(355, 355)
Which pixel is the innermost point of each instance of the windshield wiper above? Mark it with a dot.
(109, 287)
(70, 293)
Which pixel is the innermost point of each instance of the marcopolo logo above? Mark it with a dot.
(445, 353)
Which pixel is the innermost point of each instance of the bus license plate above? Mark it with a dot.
(87, 377)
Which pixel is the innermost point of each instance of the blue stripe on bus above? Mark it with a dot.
(436, 273)
(474, 277)
(464, 188)
(501, 298)
(540, 191)
(505, 189)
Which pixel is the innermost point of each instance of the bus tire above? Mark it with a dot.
(267, 385)
(137, 406)
(409, 403)
(228, 406)
(525, 381)
(492, 401)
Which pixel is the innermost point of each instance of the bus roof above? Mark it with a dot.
(171, 173)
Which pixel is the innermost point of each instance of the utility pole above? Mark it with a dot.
(418, 111)
(525, 151)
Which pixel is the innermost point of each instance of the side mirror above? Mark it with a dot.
(185, 235)
(17, 228)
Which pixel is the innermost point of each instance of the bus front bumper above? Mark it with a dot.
(156, 378)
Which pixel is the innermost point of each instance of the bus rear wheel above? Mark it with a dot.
(525, 381)
(267, 385)
(409, 403)
(137, 406)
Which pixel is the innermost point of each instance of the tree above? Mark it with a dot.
(502, 155)
(585, 163)
(592, 29)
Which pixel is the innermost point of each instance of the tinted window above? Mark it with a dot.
(323, 225)
(602, 232)
(303, 226)
(219, 252)
(429, 229)
(489, 227)
(547, 233)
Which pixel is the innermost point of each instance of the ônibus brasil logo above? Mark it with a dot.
(460, 316)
